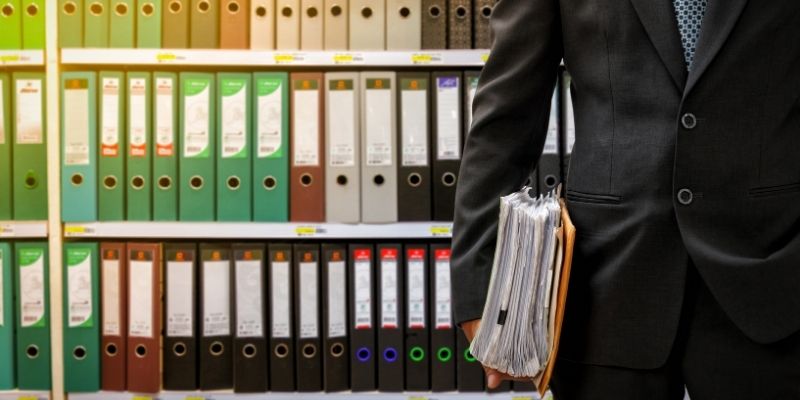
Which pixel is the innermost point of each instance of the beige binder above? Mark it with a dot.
(311, 24)
(262, 24)
(335, 24)
(403, 24)
(287, 25)
(367, 25)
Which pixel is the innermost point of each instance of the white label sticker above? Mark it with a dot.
(2, 311)
(180, 298)
(29, 111)
(79, 293)
(337, 299)
(448, 119)
(109, 120)
(249, 301)
(378, 127)
(216, 298)
(309, 325)
(270, 123)
(444, 319)
(140, 299)
(342, 135)
(165, 118)
(31, 296)
(281, 301)
(363, 293)
(111, 301)
(389, 307)
(196, 116)
(551, 143)
(416, 294)
(414, 120)
(2, 134)
(137, 122)
(76, 122)
(306, 125)
(234, 124)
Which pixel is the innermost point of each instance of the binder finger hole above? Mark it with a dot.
(196, 182)
(179, 349)
(405, 12)
(164, 182)
(233, 7)
(121, 9)
(140, 351)
(261, 12)
(341, 180)
(414, 179)
(468, 356)
(306, 180)
(70, 7)
(449, 179)
(336, 10)
(379, 180)
(175, 6)
(110, 182)
(76, 179)
(30, 180)
(216, 349)
(309, 350)
(203, 6)
(390, 354)
(270, 183)
(287, 12)
(550, 181)
(249, 351)
(461, 12)
(434, 11)
(32, 352)
(79, 353)
(282, 350)
(312, 12)
(366, 12)
(8, 10)
(363, 354)
(337, 349)
(486, 11)
(444, 354)
(32, 10)
(111, 350)
(416, 354)
(148, 9)
(233, 183)
(96, 9)
(137, 182)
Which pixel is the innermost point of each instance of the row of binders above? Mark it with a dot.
(349, 147)
(22, 24)
(254, 318)
(276, 24)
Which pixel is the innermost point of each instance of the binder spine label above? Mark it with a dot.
(79, 288)
(111, 300)
(448, 119)
(234, 118)
(180, 313)
(138, 117)
(414, 121)
(165, 122)
(378, 100)
(363, 289)
(31, 291)
(196, 118)
(76, 122)
(2, 119)
(216, 298)
(270, 112)
(337, 298)
(416, 289)
(109, 125)
(444, 319)
(306, 122)
(308, 300)
(29, 111)
(341, 106)
(389, 308)
(281, 311)
(141, 299)
(249, 304)
(472, 89)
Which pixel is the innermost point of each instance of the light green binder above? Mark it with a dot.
(8, 368)
(112, 146)
(96, 18)
(234, 143)
(140, 147)
(30, 146)
(165, 156)
(33, 24)
(122, 24)
(78, 146)
(10, 25)
(81, 318)
(148, 21)
(32, 281)
(70, 23)
(271, 147)
(196, 165)
(5, 148)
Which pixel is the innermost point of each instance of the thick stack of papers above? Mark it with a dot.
(521, 321)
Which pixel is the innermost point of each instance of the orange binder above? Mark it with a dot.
(307, 187)
(113, 273)
(144, 317)
(234, 24)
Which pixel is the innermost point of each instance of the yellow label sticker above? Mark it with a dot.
(74, 230)
(521, 397)
(305, 230)
(142, 398)
(27, 398)
(195, 398)
(343, 58)
(284, 58)
(441, 230)
(417, 398)
(166, 57)
(485, 57)
(10, 58)
(421, 58)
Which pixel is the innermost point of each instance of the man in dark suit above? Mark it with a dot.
(684, 186)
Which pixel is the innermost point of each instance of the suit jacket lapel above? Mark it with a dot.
(720, 18)
(658, 18)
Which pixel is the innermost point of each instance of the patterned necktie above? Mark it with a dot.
(690, 16)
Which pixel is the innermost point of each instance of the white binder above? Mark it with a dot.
(287, 25)
(378, 155)
(311, 28)
(336, 24)
(367, 25)
(262, 24)
(342, 147)
(403, 24)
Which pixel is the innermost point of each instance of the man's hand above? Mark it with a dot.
(493, 377)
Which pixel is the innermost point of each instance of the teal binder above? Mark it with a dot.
(111, 155)
(78, 146)
(32, 281)
(81, 317)
(8, 368)
(271, 147)
(165, 157)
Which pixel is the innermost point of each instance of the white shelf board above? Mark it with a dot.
(257, 230)
(227, 395)
(23, 229)
(21, 58)
(22, 394)
(422, 58)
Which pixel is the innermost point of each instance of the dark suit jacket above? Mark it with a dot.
(636, 148)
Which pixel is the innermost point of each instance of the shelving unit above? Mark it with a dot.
(227, 395)
(23, 229)
(21, 58)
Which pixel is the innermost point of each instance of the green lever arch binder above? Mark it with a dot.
(165, 157)
(140, 148)
(32, 282)
(96, 20)
(271, 147)
(81, 318)
(78, 146)
(8, 369)
(122, 24)
(5, 148)
(196, 165)
(148, 22)
(234, 141)
(111, 157)
(33, 24)
(30, 147)
(70, 23)
(10, 25)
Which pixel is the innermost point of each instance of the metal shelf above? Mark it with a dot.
(232, 58)
(21, 58)
(256, 230)
(23, 229)
(227, 395)
(23, 395)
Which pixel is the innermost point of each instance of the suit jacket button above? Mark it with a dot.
(685, 196)
(689, 121)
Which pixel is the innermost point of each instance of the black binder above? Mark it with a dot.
(362, 318)
(447, 142)
(459, 24)
(413, 155)
(416, 318)
(281, 372)
(336, 349)
(434, 24)
(390, 318)
(216, 328)
(550, 163)
(481, 29)
(180, 326)
(470, 374)
(567, 126)
(251, 358)
(307, 321)
(443, 333)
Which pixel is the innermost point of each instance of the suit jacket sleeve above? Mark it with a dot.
(511, 111)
